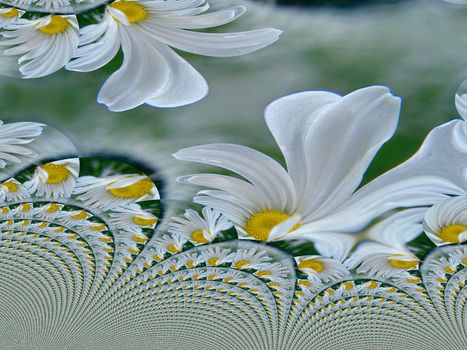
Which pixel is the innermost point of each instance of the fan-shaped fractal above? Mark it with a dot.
(85, 265)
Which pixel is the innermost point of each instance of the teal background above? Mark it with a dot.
(417, 48)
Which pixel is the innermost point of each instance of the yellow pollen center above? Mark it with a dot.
(241, 264)
(140, 239)
(136, 190)
(56, 173)
(133, 11)
(173, 249)
(405, 264)
(213, 261)
(313, 264)
(198, 237)
(141, 221)
(57, 25)
(259, 225)
(79, 215)
(10, 13)
(53, 207)
(10, 186)
(451, 233)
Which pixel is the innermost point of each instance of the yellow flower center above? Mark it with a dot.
(451, 233)
(57, 25)
(198, 237)
(142, 221)
(134, 11)
(140, 239)
(10, 186)
(79, 215)
(403, 263)
(10, 13)
(56, 173)
(97, 227)
(241, 264)
(173, 249)
(259, 225)
(136, 190)
(313, 264)
(53, 207)
(213, 261)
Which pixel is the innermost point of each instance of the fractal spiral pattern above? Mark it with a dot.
(94, 255)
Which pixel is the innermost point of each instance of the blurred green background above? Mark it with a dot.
(417, 48)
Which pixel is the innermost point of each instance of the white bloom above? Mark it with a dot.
(12, 138)
(321, 269)
(376, 259)
(152, 72)
(446, 222)
(13, 190)
(172, 244)
(113, 191)
(132, 218)
(217, 256)
(43, 45)
(55, 179)
(9, 15)
(197, 229)
(252, 258)
(328, 142)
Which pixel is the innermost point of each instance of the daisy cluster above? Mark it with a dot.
(40, 37)
(286, 257)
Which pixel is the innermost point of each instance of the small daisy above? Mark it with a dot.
(145, 30)
(114, 191)
(197, 229)
(246, 259)
(49, 211)
(13, 191)
(42, 45)
(73, 218)
(132, 218)
(377, 259)
(272, 271)
(321, 269)
(172, 244)
(55, 179)
(217, 256)
(9, 15)
(460, 256)
(444, 265)
(446, 221)
(12, 138)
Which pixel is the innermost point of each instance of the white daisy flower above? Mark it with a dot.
(73, 218)
(328, 142)
(152, 72)
(132, 218)
(446, 222)
(272, 271)
(460, 256)
(55, 179)
(42, 45)
(321, 269)
(12, 138)
(172, 244)
(217, 256)
(9, 15)
(13, 191)
(246, 259)
(197, 229)
(377, 259)
(49, 211)
(114, 191)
